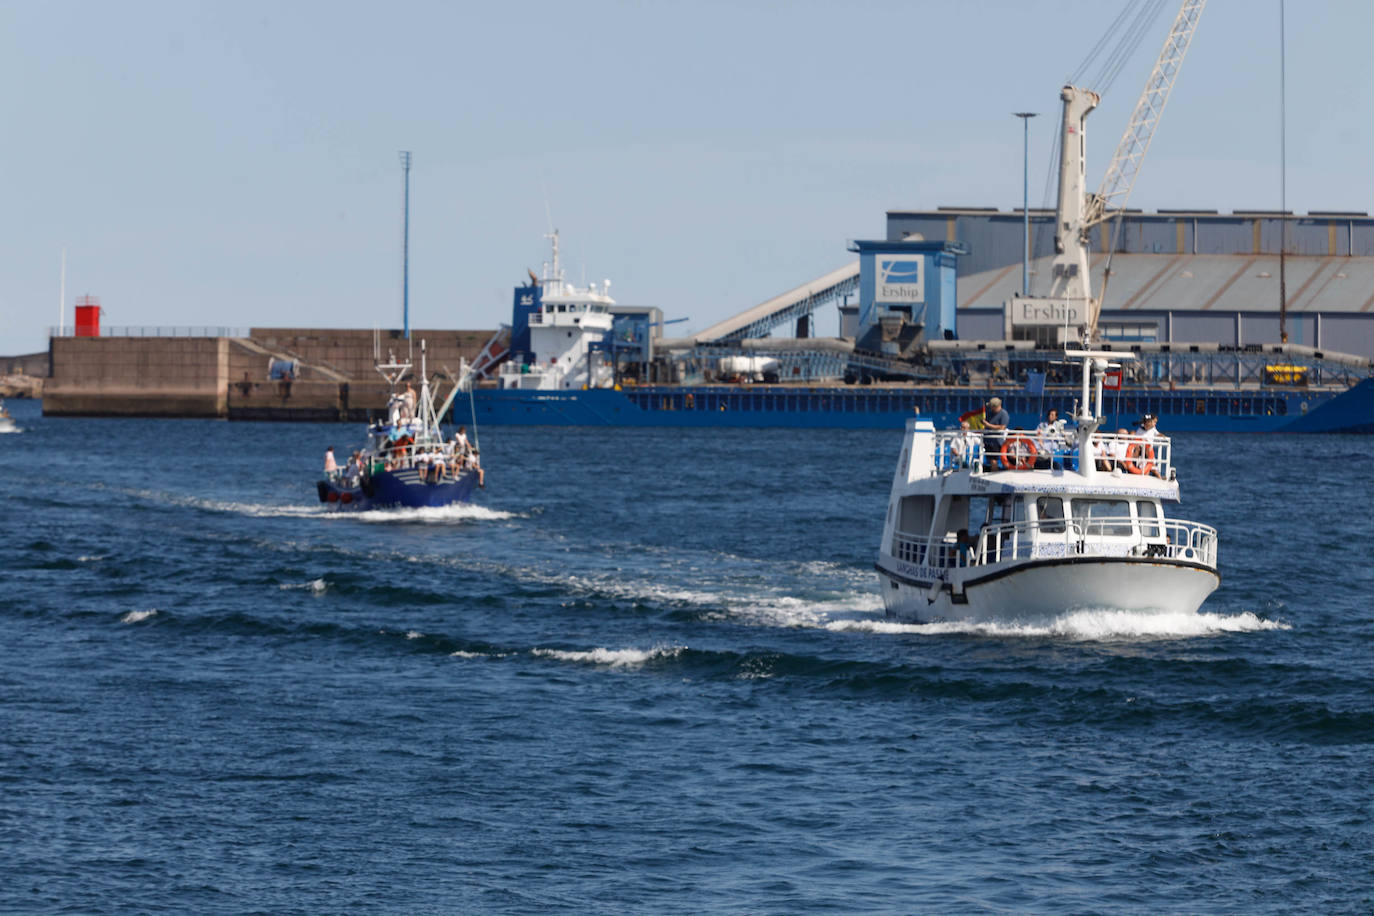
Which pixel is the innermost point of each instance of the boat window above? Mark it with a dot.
(1020, 511)
(1109, 517)
(1148, 513)
(1050, 511)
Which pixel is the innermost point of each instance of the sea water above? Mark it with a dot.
(648, 672)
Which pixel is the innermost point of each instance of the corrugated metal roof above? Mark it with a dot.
(1199, 282)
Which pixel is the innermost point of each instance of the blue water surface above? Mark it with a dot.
(648, 672)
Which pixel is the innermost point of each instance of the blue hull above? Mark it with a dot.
(401, 489)
(880, 407)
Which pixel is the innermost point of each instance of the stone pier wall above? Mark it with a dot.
(138, 376)
(229, 377)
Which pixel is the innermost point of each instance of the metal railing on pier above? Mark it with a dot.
(154, 331)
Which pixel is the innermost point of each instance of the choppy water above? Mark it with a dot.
(649, 673)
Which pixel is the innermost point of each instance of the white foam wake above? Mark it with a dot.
(611, 658)
(315, 586)
(439, 514)
(455, 512)
(137, 616)
(1081, 626)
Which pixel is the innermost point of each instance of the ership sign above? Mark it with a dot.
(899, 279)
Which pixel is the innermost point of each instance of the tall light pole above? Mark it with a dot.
(1025, 117)
(405, 247)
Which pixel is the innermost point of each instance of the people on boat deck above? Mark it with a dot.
(963, 546)
(460, 441)
(1148, 432)
(331, 469)
(408, 402)
(995, 418)
(964, 446)
(1118, 452)
(1049, 438)
(354, 469)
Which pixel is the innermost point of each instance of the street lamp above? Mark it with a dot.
(1025, 117)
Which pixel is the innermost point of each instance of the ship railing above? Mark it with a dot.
(1173, 539)
(983, 451)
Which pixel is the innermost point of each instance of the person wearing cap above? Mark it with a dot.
(994, 417)
(1147, 427)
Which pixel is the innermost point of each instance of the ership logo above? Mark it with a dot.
(899, 280)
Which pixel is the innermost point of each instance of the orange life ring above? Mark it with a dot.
(1018, 453)
(1134, 464)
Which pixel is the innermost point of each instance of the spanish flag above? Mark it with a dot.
(974, 418)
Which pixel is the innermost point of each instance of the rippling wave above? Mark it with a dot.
(649, 671)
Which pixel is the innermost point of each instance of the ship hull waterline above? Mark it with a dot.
(401, 489)
(1043, 590)
(861, 407)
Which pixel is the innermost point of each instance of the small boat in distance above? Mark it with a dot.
(1015, 525)
(7, 424)
(407, 462)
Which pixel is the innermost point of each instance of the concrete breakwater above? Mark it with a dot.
(229, 377)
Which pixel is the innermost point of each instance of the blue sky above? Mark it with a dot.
(236, 163)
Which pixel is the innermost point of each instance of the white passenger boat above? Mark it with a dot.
(1010, 526)
(7, 424)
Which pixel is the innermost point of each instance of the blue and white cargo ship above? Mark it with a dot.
(407, 461)
(563, 367)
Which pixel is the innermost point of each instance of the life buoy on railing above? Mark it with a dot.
(1137, 464)
(1018, 453)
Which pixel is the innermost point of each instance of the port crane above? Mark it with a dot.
(1077, 212)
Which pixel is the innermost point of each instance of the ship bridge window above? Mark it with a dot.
(1049, 510)
(1107, 517)
(1148, 513)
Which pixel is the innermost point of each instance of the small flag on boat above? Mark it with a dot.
(1112, 380)
(974, 418)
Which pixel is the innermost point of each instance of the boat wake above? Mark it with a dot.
(1080, 626)
(612, 658)
(432, 515)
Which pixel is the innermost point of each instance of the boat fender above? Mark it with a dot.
(1137, 464)
(333, 497)
(345, 498)
(1018, 453)
(323, 489)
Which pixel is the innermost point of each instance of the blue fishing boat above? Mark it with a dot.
(407, 460)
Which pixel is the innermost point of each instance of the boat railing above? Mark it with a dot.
(1174, 539)
(985, 451)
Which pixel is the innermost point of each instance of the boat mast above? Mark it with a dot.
(405, 245)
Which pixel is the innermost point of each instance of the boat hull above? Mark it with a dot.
(1044, 589)
(403, 489)
(888, 407)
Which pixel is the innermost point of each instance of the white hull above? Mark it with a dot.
(1041, 589)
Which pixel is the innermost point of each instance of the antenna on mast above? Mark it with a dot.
(405, 246)
(62, 298)
(1283, 183)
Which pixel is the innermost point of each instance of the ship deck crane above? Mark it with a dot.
(1077, 212)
